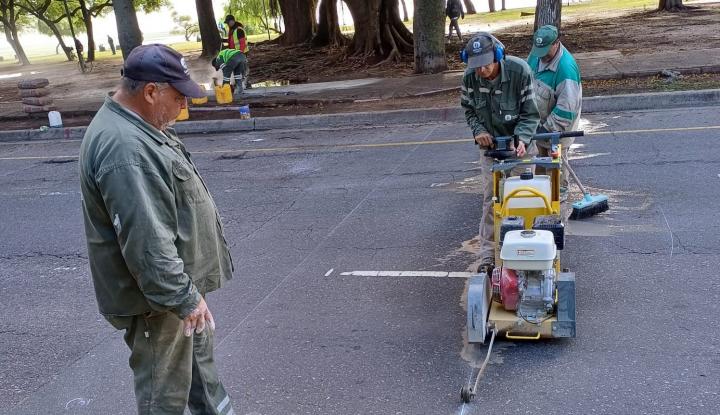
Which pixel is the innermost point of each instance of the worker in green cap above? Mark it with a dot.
(558, 92)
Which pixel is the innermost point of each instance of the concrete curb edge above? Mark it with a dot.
(612, 103)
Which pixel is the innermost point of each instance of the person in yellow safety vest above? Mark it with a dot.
(236, 35)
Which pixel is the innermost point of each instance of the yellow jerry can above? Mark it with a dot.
(184, 115)
(200, 101)
(223, 94)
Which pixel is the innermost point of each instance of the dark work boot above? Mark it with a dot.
(486, 266)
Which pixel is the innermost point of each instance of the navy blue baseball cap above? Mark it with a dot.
(160, 63)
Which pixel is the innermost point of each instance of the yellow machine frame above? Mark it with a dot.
(508, 323)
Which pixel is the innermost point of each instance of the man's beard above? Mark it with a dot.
(162, 121)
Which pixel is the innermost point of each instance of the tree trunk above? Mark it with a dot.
(11, 36)
(548, 12)
(299, 18)
(41, 14)
(405, 14)
(87, 19)
(53, 27)
(9, 15)
(429, 30)
(379, 31)
(491, 5)
(469, 7)
(671, 5)
(503, 5)
(129, 34)
(211, 41)
(328, 32)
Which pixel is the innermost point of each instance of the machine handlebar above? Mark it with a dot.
(502, 149)
(549, 136)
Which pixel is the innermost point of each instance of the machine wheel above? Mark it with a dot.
(465, 394)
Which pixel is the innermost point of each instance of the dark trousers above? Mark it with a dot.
(172, 371)
(236, 67)
(454, 23)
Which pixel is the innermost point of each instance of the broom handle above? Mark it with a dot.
(572, 173)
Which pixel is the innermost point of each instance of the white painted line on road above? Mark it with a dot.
(327, 274)
(429, 274)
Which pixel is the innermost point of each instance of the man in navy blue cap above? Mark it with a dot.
(497, 96)
(155, 239)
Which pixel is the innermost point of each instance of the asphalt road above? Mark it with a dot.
(296, 337)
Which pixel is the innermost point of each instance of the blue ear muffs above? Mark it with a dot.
(498, 48)
(499, 51)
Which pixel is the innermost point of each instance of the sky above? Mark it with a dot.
(157, 26)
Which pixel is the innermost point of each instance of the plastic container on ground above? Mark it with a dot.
(245, 112)
(223, 94)
(55, 119)
(200, 101)
(184, 115)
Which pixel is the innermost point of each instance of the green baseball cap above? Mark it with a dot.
(543, 40)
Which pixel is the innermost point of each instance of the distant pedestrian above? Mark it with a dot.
(78, 48)
(111, 42)
(558, 93)
(454, 11)
(154, 235)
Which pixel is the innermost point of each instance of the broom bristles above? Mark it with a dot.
(589, 210)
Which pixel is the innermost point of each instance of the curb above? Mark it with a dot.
(630, 102)
(652, 101)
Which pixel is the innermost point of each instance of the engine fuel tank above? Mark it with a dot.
(528, 250)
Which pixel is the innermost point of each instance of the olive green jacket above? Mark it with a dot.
(155, 240)
(505, 109)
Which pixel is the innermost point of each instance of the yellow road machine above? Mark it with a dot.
(527, 295)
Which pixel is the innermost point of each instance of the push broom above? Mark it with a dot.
(589, 205)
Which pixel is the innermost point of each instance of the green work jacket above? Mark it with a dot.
(506, 108)
(154, 236)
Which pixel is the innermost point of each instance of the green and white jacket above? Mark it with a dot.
(558, 91)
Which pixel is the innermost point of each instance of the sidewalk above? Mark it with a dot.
(594, 66)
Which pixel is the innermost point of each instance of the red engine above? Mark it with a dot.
(505, 288)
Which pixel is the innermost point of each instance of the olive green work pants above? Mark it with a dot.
(172, 371)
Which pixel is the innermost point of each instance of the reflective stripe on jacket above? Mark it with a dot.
(505, 109)
(237, 39)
